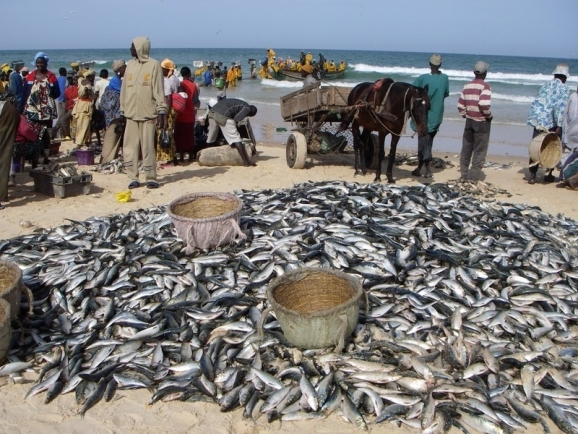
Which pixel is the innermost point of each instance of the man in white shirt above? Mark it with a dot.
(100, 85)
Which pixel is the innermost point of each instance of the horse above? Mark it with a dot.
(382, 106)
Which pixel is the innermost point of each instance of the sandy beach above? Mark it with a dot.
(28, 211)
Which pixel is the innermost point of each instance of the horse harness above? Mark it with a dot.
(377, 112)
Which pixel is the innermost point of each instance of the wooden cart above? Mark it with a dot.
(312, 108)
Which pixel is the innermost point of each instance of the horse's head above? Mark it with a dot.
(420, 105)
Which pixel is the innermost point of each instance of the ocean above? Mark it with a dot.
(515, 80)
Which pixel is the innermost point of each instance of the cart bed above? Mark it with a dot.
(315, 101)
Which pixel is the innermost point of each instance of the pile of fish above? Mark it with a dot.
(471, 318)
(60, 170)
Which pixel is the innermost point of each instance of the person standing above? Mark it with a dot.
(171, 86)
(225, 115)
(474, 105)
(60, 105)
(570, 123)
(143, 107)
(110, 105)
(185, 123)
(16, 85)
(100, 86)
(438, 86)
(42, 90)
(82, 111)
(9, 121)
(547, 112)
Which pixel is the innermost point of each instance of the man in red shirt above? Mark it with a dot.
(184, 133)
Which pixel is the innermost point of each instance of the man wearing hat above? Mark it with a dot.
(82, 111)
(474, 105)
(438, 89)
(547, 112)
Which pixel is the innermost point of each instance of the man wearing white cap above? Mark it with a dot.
(547, 112)
(438, 86)
(474, 105)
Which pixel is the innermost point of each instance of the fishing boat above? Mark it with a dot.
(284, 74)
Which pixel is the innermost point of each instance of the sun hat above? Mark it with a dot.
(117, 64)
(435, 59)
(562, 69)
(480, 67)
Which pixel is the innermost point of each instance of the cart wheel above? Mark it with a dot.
(296, 150)
(372, 154)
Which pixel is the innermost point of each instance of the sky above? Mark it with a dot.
(541, 28)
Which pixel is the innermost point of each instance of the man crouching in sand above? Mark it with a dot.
(225, 115)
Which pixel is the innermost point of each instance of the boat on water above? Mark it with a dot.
(283, 74)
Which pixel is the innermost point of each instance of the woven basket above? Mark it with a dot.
(546, 150)
(5, 329)
(316, 308)
(11, 286)
(205, 220)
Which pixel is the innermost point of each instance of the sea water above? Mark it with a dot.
(515, 82)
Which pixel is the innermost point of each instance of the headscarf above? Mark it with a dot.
(88, 73)
(117, 64)
(38, 55)
(170, 65)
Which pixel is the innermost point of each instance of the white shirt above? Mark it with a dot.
(99, 87)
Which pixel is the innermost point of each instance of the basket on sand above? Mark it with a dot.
(546, 150)
(11, 286)
(316, 308)
(5, 329)
(206, 220)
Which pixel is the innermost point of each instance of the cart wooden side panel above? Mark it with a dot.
(306, 102)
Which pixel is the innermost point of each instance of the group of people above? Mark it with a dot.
(306, 65)
(552, 111)
(146, 110)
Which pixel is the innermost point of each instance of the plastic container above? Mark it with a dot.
(206, 220)
(11, 286)
(546, 149)
(60, 186)
(85, 158)
(316, 308)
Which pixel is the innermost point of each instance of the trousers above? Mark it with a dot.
(424, 147)
(474, 149)
(139, 137)
(9, 121)
(111, 143)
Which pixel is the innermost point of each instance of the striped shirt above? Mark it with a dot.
(475, 100)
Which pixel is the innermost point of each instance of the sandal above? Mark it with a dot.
(134, 184)
(153, 184)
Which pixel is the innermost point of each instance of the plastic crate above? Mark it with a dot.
(60, 186)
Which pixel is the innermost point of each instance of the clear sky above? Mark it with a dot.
(543, 28)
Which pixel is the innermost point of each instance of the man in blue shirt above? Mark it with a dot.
(547, 112)
(60, 104)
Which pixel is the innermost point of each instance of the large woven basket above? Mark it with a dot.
(11, 286)
(316, 308)
(206, 220)
(5, 329)
(546, 150)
